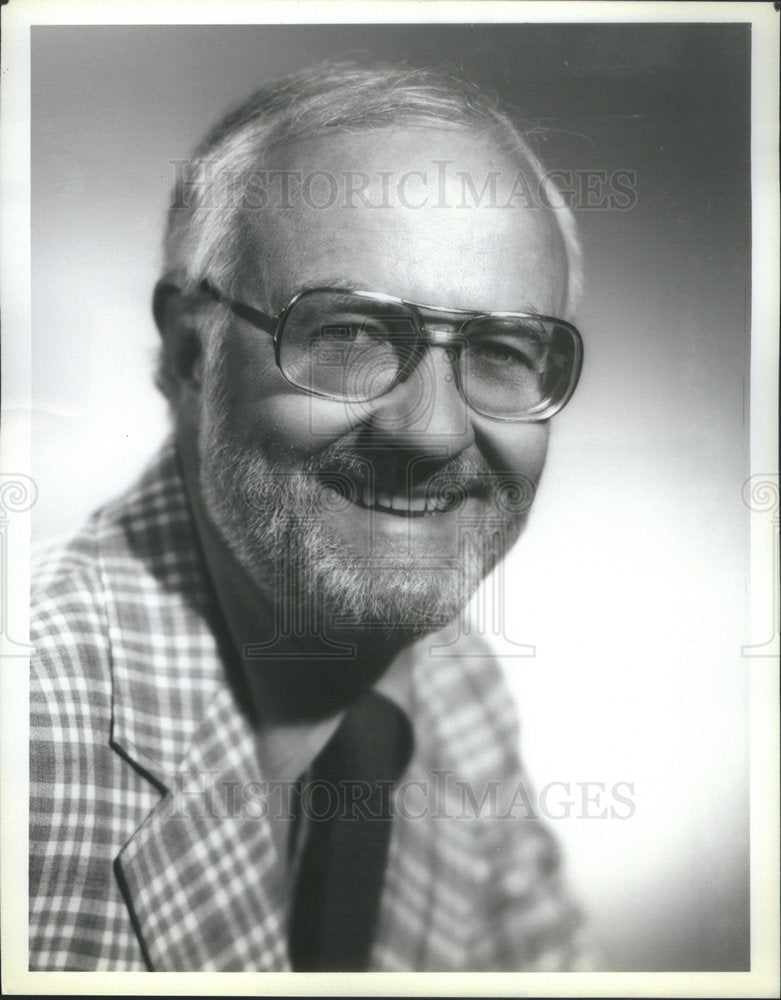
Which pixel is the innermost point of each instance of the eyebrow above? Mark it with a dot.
(340, 283)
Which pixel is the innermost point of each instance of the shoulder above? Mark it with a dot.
(457, 671)
(68, 631)
(464, 704)
(65, 583)
(76, 586)
(70, 579)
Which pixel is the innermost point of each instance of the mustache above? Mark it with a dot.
(349, 470)
(395, 470)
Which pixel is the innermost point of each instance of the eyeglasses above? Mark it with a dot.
(356, 346)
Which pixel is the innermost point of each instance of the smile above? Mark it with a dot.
(406, 505)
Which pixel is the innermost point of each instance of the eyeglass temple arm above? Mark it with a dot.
(254, 316)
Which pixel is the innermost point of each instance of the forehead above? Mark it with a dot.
(429, 214)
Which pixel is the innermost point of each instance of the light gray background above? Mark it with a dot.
(631, 580)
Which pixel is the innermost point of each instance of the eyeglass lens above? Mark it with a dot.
(354, 348)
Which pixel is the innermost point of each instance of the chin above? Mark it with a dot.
(316, 576)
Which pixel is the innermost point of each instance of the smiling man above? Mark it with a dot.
(253, 745)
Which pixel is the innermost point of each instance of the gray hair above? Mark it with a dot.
(333, 97)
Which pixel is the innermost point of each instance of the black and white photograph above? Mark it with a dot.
(389, 507)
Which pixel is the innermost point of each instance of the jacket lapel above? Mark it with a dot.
(201, 876)
(445, 847)
(435, 880)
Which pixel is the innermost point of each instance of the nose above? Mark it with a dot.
(426, 411)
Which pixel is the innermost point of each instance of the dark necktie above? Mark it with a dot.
(346, 802)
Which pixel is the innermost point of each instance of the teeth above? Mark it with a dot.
(435, 505)
(401, 502)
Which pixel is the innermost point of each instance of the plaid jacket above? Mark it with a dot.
(138, 860)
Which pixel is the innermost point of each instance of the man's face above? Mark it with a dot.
(325, 501)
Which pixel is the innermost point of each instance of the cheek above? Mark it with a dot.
(264, 409)
(515, 449)
(295, 424)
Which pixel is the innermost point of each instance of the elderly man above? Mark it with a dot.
(256, 745)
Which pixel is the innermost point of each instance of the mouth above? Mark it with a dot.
(422, 500)
(403, 487)
(404, 504)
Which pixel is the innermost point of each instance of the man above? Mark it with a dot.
(253, 745)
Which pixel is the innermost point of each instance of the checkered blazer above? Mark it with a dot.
(132, 716)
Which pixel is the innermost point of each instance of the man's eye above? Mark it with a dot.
(500, 353)
(364, 330)
(339, 332)
(347, 328)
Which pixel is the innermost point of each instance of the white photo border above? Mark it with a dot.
(18, 18)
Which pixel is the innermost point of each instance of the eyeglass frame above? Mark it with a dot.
(275, 325)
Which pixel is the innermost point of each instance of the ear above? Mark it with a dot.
(177, 318)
